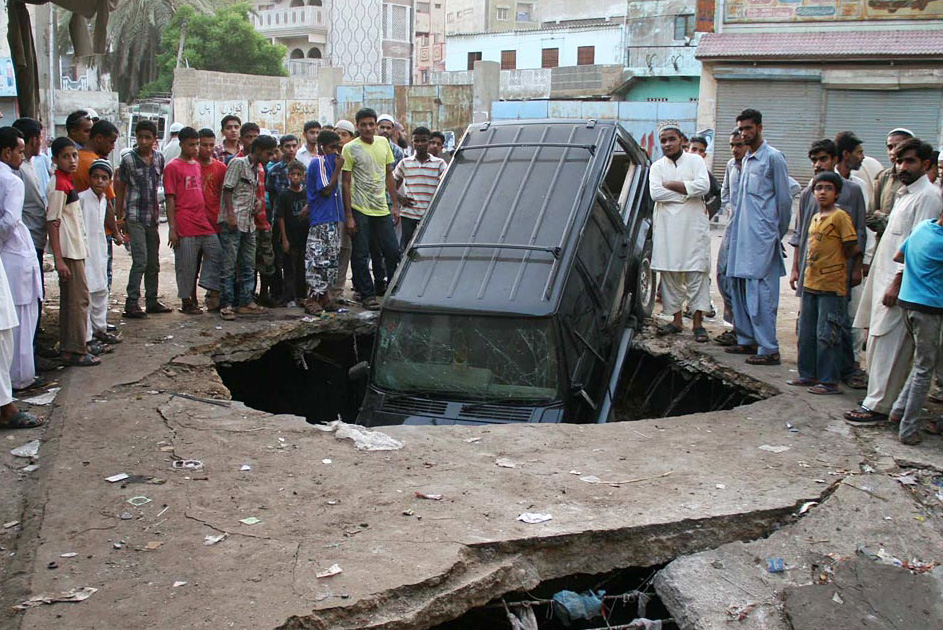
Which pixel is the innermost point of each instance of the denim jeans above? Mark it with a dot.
(237, 274)
(145, 243)
(380, 229)
(821, 319)
(924, 328)
(409, 228)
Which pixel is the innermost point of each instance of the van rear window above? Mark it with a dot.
(468, 357)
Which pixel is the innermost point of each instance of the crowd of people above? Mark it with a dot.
(867, 261)
(257, 221)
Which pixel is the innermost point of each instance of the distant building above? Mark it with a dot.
(491, 16)
(429, 44)
(814, 68)
(371, 40)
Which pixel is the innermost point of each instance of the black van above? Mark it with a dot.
(520, 292)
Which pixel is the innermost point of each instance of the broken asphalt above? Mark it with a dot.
(285, 501)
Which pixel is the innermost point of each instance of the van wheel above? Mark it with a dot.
(645, 288)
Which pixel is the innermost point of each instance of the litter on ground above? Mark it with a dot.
(364, 439)
(72, 596)
(532, 518)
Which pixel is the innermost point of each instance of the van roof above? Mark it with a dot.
(502, 229)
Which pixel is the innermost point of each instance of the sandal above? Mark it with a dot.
(190, 307)
(38, 382)
(824, 389)
(741, 349)
(933, 427)
(667, 329)
(802, 382)
(227, 313)
(864, 417)
(22, 420)
(107, 337)
(727, 338)
(700, 335)
(858, 380)
(82, 360)
(764, 359)
(893, 418)
(313, 307)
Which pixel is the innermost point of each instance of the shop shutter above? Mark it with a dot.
(792, 119)
(872, 113)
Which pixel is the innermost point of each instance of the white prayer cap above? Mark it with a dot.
(387, 118)
(345, 125)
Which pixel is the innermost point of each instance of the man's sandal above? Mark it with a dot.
(22, 420)
(668, 329)
(740, 349)
(764, 359)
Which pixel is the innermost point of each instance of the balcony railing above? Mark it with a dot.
(294, 21)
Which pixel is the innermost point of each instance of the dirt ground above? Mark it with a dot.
(666, 489)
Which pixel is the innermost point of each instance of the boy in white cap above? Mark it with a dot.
(172, 148)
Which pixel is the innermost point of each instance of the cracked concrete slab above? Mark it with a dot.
(870, 511)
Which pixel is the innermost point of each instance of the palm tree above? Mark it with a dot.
(134, 32)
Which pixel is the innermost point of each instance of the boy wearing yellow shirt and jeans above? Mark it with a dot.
(366, 178)
(833, 241)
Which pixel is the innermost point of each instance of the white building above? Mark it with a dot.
(553, 47)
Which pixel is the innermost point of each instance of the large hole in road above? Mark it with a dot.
(308, 377)
(610, 601)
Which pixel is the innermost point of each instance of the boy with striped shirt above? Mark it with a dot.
(417, 177)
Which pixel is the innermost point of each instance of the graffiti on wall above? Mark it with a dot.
(830, 10)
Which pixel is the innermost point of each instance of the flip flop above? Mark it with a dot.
(802, 382)
(667, 329)
(933, 427)
(82, 360)
(22, 420)
(39, 381)
(700, 335)
(864, 416)
(726, 338)
(824, 389)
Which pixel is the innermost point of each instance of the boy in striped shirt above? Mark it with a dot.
(416, 178)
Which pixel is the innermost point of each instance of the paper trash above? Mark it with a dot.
(46, 398)
(364, 439)
(30, 449)
(533, 518)
(75, 595)
(331, 571)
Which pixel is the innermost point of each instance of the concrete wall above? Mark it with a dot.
(439, 107)
(563, 10)
(545, 82)
(640, 119)
(674, 90)
(607, 41)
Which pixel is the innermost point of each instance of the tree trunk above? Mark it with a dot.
(23, 51)
(183, 39)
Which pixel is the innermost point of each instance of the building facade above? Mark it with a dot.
(491, 16)
(816, 68)
(429, 41)
(371, 40)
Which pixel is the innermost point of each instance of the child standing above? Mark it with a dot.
(197, 252)
(833, 241)
(325, 211)
(66, 227)
(138, 178)
(94, 202)
(419, 176)
(291, 212)
(920, 296)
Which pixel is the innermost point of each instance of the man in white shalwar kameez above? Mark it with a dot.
(19, 258)
(681, 233)
(890, 345)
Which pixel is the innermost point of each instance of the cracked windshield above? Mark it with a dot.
(487, 358)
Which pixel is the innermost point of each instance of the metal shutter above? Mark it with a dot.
(872, 113)
(792, 118)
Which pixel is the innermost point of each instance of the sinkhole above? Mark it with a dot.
(309, 377)
(617, 600)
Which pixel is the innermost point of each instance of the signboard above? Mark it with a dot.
(204, 115)
(7, 78)
(268, 115)
(745, 11)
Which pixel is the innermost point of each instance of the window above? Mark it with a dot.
(472, 58)
(502, 14)
(509, 60)
(550, 58)
(684, 26)
(396, 25)
(422, 7)
(525, 12)
(585, 55)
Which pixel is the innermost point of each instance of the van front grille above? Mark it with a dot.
(495, 412)
(413, 406)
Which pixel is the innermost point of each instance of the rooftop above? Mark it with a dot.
(821, 44)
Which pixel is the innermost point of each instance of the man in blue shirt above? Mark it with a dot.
(755, 255)
(728, 198)
(921, 299)
(325, 211)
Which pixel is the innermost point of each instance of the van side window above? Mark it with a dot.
(620, 181)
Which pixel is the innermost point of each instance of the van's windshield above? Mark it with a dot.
(470, 357)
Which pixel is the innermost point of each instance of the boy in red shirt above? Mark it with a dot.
(192, 235)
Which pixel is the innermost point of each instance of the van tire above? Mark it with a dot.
(645, 284)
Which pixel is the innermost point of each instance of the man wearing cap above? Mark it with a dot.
(345, 130)
(172, 148)
(386, 127)
(681, 239)
(886, 184)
